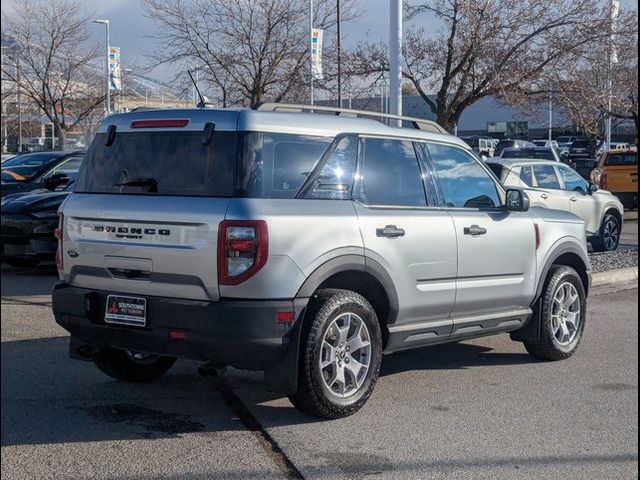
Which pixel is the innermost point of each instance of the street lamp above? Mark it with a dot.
(106, 24)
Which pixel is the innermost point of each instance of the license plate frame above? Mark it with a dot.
(126, 310)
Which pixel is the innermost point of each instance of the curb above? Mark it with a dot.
(620, 279)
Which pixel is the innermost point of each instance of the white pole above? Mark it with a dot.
(395, 53)
(310, 50)
(615, 6)
(108, 79)
(550, 115)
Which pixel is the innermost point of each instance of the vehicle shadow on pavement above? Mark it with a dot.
(28, 282)
(450, 357)
(48, 398)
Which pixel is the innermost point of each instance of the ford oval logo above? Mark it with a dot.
(73, 253)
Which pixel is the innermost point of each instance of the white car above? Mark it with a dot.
(557, 186)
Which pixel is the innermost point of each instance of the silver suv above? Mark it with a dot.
(304, 244)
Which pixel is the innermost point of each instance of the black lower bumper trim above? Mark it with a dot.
(240, 333)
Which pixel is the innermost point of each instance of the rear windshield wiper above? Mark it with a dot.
(152, 183)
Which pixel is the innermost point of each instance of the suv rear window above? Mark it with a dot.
(622, 159)
(160, 163)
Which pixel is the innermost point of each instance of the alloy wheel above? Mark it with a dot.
(565, 314)
(345, 355)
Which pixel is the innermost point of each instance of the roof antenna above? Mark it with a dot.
(204, 101)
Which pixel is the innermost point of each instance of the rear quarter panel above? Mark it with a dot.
(303, 235)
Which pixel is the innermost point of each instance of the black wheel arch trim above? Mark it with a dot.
(358, 263)
(555, 254)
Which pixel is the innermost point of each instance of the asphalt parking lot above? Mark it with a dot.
(477, 409)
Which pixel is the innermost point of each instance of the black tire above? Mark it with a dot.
(608, 236)
(549, 348)
(121, 365)
(313, 395)
(22, 262)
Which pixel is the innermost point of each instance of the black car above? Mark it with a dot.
(33, 171)
(509, 143)
(545, 153)
(28, 221)
(582, 149)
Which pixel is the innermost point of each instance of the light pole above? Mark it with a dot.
(339, 52)
(106, 24)
(395, 55)
(550, 115)
(310, 51)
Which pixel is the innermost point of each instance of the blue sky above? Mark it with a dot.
(129, 26)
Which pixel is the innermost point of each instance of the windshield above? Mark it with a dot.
(163, 163)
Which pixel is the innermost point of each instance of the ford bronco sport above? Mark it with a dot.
(304, 242)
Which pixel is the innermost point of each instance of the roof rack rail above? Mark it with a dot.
(419, 123)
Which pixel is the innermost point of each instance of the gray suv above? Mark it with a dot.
(305, 244)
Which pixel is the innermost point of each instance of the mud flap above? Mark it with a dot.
(283, 377)
(532, 330)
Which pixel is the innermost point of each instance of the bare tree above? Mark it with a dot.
(484, 47)
(581, 84)
(247, 50)
(54, 65)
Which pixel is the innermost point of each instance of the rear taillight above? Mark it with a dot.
(603, 180)
(243, 248)
(58, 234)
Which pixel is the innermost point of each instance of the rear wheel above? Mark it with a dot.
(341, 351)
(132, 366)
(609, 235)
(563, 315)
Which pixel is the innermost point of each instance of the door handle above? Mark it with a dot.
(474, 230)
(544, 195)
(573, 199)
(390, 231)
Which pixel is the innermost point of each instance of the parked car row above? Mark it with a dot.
(33, 187)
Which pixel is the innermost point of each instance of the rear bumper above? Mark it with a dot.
(240, 333)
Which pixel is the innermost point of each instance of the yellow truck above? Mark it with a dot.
(617, 171)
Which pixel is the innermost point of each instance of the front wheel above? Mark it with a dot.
(609, 235)
(563, 315)
(132, 366)
(341, 352)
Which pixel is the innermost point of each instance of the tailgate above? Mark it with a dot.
(140, 244)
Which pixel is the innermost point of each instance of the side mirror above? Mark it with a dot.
(516, 201)
(55, 180)
(593, 188)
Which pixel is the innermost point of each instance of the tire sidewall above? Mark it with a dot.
(609, 218)
(365, 312)
(563, 275)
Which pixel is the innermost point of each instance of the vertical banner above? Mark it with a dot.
(615, 10)
(115, 80)
(316, 53)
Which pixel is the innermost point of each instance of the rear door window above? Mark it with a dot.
(276, 165)
(390, 173)
(546, 176)
(162, 163)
